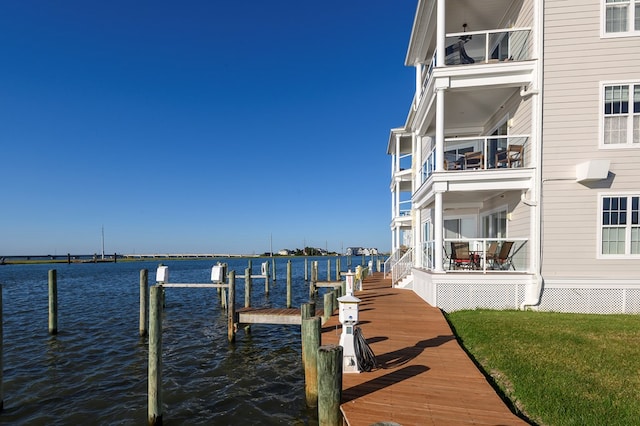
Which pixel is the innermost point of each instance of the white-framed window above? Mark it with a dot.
(620, 225)
(494, 224)
(621, 17)
(621, 115)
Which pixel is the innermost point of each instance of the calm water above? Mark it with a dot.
(94, 371)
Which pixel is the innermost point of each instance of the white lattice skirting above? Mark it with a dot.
(507, 291)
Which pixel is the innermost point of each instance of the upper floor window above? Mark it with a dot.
(620, 225)
(621, 114)
(622, 17)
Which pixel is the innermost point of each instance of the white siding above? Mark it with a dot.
(576, 61)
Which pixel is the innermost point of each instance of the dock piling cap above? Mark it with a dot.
(349, 299)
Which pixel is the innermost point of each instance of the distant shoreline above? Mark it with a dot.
(34, 260)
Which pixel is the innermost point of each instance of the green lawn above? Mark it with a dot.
(558, 369)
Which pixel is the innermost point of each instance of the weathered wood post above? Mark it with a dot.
(53, 301)
(310, 343)
(314, 271)
(329, 269)
(273, 266)
(289, 283)
(328, 306)
(338, 268)
(308, 310)
(155, 356)
(329, 385)
(266, 280)
(306, 269)
(144, 297)
(231, 308)
(247, 287)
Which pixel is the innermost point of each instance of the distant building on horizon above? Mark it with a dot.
(361, 251)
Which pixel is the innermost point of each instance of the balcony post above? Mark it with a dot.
(439, 158)
(440, 33)
(438, 233)
(417, 241)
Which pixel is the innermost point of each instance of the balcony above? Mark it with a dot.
(479, 153)
(480, 47)
(482, 255)
(477, 47)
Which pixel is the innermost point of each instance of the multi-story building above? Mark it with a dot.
(516, 176)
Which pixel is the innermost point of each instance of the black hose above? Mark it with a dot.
(364, 355)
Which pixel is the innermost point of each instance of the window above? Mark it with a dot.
(621, 114)
(621, 17)
(620, 225)
(494, 225)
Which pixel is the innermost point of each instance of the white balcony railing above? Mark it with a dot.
(472, 47)
(476, 153)
(479, 47)
(482, 255)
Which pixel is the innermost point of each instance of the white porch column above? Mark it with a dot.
(417, 160)
(440, 33)
(438, 235)
(439, 158)
(418, 239)
(418, 67)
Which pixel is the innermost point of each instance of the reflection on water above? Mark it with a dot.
(95, 369)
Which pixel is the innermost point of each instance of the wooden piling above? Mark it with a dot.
(144, 297)
(311, 336)
(329, 385)
(289, 284)
(273, 267)
(155, 356)
(329, 269)
(231, 308)
(338, 268)
(328, 306)
(53, 301)
(306, 269)
(266, 279)
(247, 287)
(305, 311)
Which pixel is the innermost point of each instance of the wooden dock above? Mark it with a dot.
(287, 316)
(424, 377)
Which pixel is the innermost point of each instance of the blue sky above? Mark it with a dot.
(199, 126)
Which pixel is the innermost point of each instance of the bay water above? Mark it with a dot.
(94, 371)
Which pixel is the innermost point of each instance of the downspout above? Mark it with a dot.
(533, 294)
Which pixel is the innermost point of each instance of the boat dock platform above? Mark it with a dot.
(424, 377)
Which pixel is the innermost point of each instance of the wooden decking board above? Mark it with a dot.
(424, 376)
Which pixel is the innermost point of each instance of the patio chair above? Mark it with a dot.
(492, 253)
(513, 156)
(460, 256)
(474, 160)
(504, 259)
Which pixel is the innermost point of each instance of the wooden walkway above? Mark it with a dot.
(424, 376)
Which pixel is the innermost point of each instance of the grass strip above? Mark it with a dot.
(556, 368)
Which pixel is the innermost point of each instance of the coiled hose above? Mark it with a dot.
(364, 355)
